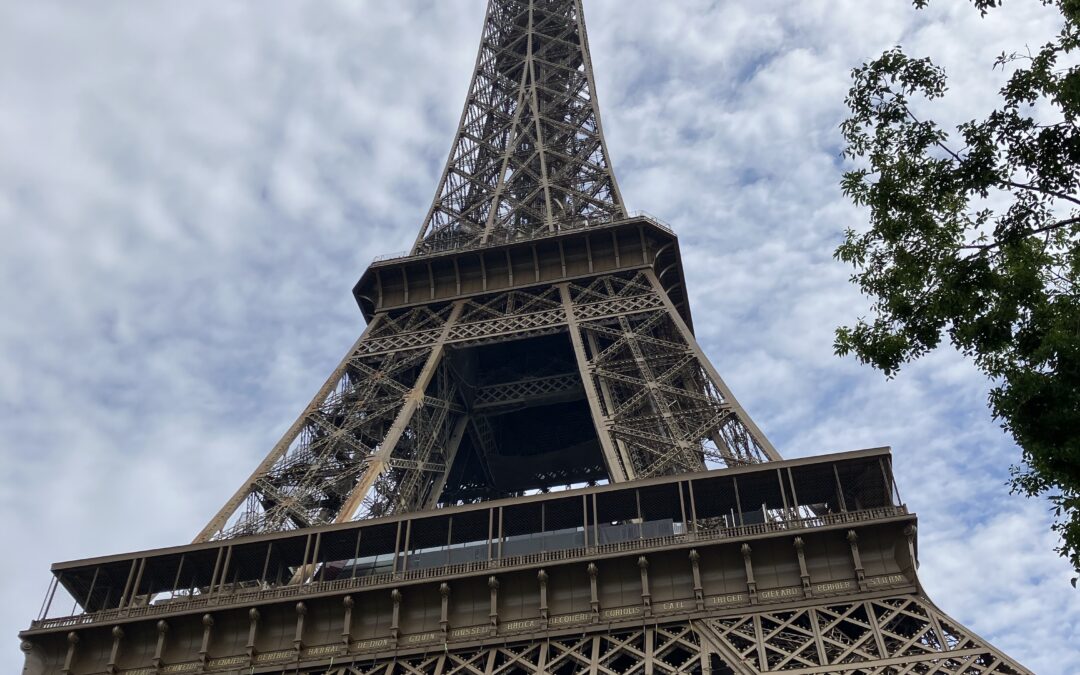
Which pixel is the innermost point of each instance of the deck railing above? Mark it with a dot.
(257, 595)
(562, 228)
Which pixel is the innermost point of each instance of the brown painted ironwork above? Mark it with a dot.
(526, 465)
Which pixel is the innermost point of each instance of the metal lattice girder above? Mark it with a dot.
(529, 157)
(886, 636)
(383, 432)
(527, 390)
(661, 403)
(672, 649)
(905, 634)
(375, 440)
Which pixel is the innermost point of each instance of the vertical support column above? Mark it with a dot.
(640, 517)
(646, 597)
(266, 563)
(794, 495)
(682, 508)
(738, 500)
(298, 637)
(356, 553)
(860, 573)
(695, 569)
(298, 578)
(395, 618)
(596, 522)
(751, 584)
(493, 613)
(763, 658)
(839, 489)
(346, 623)
(783, 493)
(253, 631)
(585, 520)
(501, 536)
(314, 556)
(693, 508)
(803, 574)
(542, 578)
(204, 648)
(444, 609)
(159, 648)
(405, 548)
(69, 658)
(46, 604)
(397, 551)
(650, 650)
(819, 643)
(224, 572)
(131, 577)
(594, 598)
(542, 658)
(114, 653)
(890, 484)
(874, 620)
(94, 579)
(910, 531)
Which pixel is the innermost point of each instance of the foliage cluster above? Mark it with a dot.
(974, 237)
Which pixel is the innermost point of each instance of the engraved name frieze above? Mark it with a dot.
(321, 651)
(274, 656)
(470, 632)
(227, 661)
(729, 599)
(887, 580)
(580, 617)
(421, 637)
(780, 593)
(620, 613)
(834, 587)
(377, 643)
(520, 625)
(181, 668)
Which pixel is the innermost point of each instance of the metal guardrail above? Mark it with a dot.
(587, 552)
(564, 226)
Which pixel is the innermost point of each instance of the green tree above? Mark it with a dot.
(974, 237)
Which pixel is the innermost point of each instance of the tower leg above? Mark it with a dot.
(656, 398)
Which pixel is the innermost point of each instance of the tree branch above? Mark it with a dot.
(1007, 183)
(1040, 230)
(1025, 186)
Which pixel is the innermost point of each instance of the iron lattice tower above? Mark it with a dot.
(537, 337)
(529, 297)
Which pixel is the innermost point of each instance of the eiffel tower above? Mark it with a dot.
(526, 465)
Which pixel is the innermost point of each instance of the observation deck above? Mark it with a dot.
(668, 548)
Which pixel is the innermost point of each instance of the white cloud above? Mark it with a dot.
(188, 192)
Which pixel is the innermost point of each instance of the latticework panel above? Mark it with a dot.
(672, 649)
(382, 434)
(888, 636)
(374, 440)
(665, 409)
(529, 157)
(309, 483)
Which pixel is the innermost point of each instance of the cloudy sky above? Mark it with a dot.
(188, 192)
